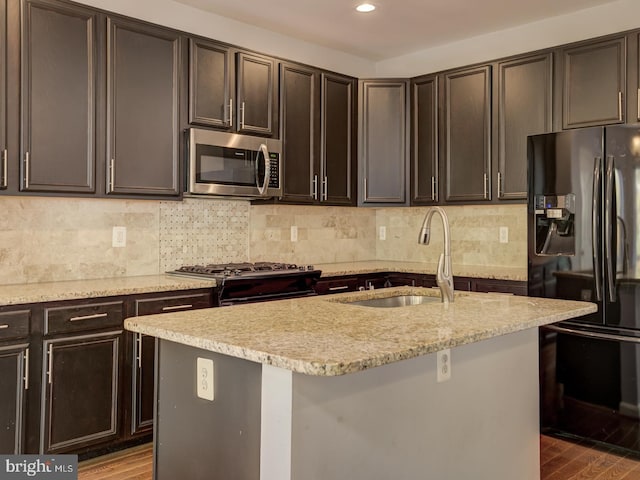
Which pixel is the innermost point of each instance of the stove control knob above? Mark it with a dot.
(301, 268)
(310, 267)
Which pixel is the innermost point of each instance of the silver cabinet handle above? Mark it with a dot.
(112, 175)
(26, 170)
(176, 307)
(583, 333)
(500, 192)
(433, 188)
(139, 349)
(325, 189)
(5, 161)
(620, 106)
(484, 185)
(638, 112)
(26, 369)
(231, 112)
(365, 193)
(88, 317)
(242, 116)
(3, 326)
(49, 363)
(341, 287)
(314, 187)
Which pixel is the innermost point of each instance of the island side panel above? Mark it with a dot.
(198, 439)
(396, 421)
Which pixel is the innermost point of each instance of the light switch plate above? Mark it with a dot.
(382, 233)
(294, 233)
(504, 234)
(205, 378)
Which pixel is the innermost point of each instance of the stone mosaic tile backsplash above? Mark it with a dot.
(54, 239)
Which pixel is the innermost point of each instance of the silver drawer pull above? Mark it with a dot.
(342, 287)
(3, 326)
(176, 307)
(88, 317)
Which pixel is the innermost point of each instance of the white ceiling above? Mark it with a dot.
(395, 28)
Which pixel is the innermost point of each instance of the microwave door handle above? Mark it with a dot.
(262, 189)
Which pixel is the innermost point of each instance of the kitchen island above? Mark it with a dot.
(318, 388)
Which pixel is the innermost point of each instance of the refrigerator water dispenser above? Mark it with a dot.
(554, 224)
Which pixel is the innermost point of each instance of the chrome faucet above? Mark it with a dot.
(444, 275)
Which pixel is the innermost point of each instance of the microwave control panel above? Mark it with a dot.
(274, 170)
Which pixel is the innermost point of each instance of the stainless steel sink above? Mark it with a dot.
(397, 301)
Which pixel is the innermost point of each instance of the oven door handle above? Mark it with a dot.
(584, 333)
(262, 189)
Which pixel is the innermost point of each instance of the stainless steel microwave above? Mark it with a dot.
(230, 164)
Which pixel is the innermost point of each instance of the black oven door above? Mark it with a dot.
(589, 384)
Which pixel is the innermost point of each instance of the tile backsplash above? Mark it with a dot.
(53, 238)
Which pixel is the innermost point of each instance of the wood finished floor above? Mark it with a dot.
(559, 460)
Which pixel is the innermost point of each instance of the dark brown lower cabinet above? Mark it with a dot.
(80, 391)
(13, 386)
(143, 352)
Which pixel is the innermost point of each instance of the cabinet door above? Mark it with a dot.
(594, 83)
(142, 109)
(383, 107)
(300, 121)
(80, 391)
(4, 181)
(338, 140)
(58, 87)
(424, 140)
(256, 94)
(210, 80)
(467, 134)
(525, 107)
(13, 386)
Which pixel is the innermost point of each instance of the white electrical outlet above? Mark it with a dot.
(119, 237)
(294, 233)
(382, 233)
(443, 365)
(504, 234)
(204, 378)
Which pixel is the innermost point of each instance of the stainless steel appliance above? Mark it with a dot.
(240, 283)
(230, 164)
(584, 244)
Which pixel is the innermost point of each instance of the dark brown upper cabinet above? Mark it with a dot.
(58, 104)
(594, 83)
(424, 140)
(384, 137)
(4, 153)
(338, 140)
(211, 80)
(466, 130)
(524, 107)
(256, 94)
(300, 132)
(142, 108)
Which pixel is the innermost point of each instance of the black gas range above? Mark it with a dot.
(245, 282)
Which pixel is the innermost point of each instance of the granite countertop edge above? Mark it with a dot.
(340, 355)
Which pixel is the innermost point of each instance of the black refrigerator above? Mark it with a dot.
(584, 244)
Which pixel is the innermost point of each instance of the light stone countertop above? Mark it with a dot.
(375, 266)
(324, 336)
(78, 289)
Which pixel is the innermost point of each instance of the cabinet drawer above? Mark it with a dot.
(500, 286)
(172, 303)
(72, 318)
(14, 324)
(336, 285)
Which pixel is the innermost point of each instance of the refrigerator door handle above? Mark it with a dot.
(597, 269)
(608, 229)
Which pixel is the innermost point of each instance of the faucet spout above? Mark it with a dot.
(444, 274)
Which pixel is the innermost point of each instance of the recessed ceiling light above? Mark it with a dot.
(365, 7)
